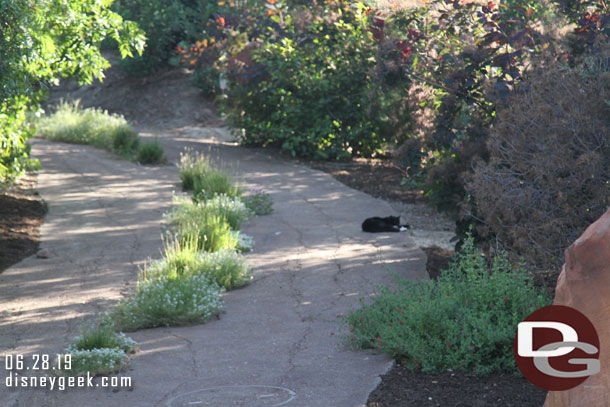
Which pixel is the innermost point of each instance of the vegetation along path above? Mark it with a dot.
(279, 338)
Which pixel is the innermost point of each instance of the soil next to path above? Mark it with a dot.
(403, 388)
(21, 214)
(379, 178)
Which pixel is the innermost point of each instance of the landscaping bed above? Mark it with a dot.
(401, 387)
(21, 213)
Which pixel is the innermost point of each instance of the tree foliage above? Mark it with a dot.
(41, 42)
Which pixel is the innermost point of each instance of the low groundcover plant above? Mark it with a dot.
(168, 302)
(259, 202)
(98, 350)
(98, 361)
(464, 321)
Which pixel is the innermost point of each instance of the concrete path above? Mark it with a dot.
(278, 341)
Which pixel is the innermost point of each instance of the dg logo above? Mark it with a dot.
(557, 348)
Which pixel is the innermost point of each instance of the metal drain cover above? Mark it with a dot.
(234, 396)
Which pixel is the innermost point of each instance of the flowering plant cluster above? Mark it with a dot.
(201, 259)
(167, 301)
(99, 350)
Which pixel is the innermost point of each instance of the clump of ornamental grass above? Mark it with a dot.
(212, 233)
(203, 179)
(182, 259)
(231, 208)
(96, 127)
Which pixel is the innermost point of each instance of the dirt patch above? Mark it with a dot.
(403, 388)
(378, 178)
(165, 99)
(21, 213)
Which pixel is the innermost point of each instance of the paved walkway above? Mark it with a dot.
(278, 341)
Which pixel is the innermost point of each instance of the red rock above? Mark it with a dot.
(584, 284)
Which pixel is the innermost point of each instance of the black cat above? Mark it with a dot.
(387, 224)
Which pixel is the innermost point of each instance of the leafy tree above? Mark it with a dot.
(40, 42)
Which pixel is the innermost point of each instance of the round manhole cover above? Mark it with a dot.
(229, 396)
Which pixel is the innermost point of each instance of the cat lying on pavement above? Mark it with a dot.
(387, 224)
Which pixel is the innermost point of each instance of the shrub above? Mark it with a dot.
(207, 79)
(167, 302)
(166, 23)
(225, 267)
(548, 176)
(294, 82)
(259, 202)
(466, 320)
(125, 141)
(151, 153)
(231, 208)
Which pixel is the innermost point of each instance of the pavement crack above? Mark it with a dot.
(189, 346)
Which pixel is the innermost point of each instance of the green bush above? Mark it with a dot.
(207, 79)
(466, 320)
(151, 153)
(124, 140)
(307, 83)
(245, 243)
(99, 349)
(192, 165)
(166, 23)
(168, 302)
(216, 182)
(313, 99)
(183, 260)
(231, 208)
